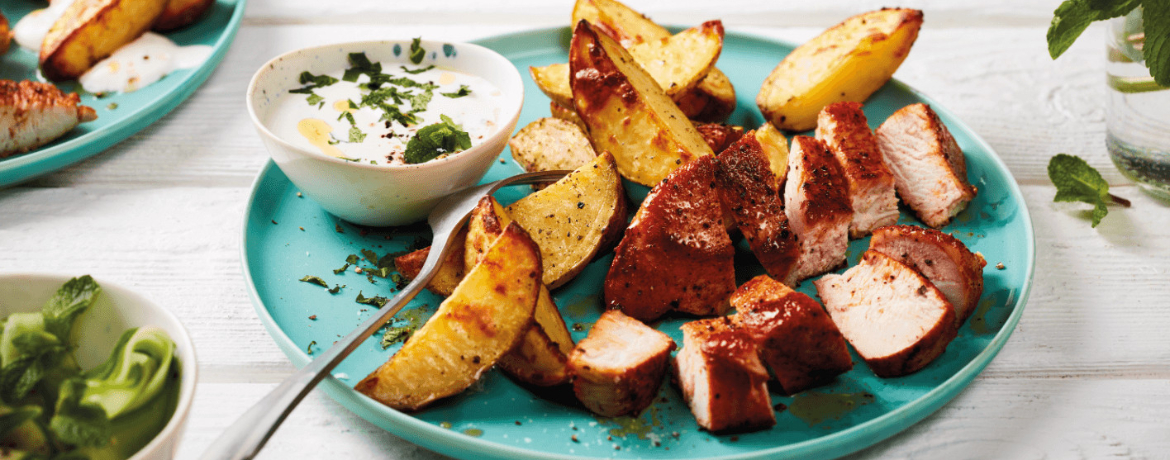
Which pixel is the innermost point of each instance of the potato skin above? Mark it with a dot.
(626, 112)
(550, 144)
(484, 319)
(450, 271)
(847, 62)
(91, 30)
(181, 13)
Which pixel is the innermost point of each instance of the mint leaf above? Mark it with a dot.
(395, 334)
(463, 91)
(416, 51)
(76, 422)
(1156, 50)
(314, 99)
(71, 300)
(356, 136)
(1073, 16)
(360, 64)
(16, 417)
(315, 280)
(433, 140)
(317, 81)
(1075, 181)
(377, 301)
(417, 71)
(338, 271)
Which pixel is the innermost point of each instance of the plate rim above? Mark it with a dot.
(28, 166)
(844, 442)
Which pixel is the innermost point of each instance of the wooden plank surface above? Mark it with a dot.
(1084, 375)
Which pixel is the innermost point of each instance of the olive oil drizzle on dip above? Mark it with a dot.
(393, 115)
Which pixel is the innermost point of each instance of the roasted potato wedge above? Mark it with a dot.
(627, 113)
(483, 320)
(712, 100)
(775, 146)
(553, 81)
(550, 144)
(678, 62)
(575, 218)
(91, 30)
(181, 13)
(618, 21)
(541, 357)
(5, 34)
(847, 62)
(564, 113)
(676, 254)
(450, 271)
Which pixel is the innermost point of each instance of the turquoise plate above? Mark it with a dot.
(287, 237)
(119, 115)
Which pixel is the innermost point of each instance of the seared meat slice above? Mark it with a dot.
(722, 378)
(818, 209)
(941, 258)
(676, 254)
(896, 320)
(618, 368)
(928, 166)
(36, 113)
(796, 338)
(842, 127)
(5, 34)
(748, 189)
(719, 135)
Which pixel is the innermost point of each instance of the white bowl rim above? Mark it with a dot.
(190, 371)
(436, 163)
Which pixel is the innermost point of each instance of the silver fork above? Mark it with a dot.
(245, 438)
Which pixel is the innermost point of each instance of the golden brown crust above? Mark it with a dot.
(854, 144)
(91, 30)
(450, 271)
(181, 13)
(611, 390)
(796, 338)
(719, 135)
(747, 190)
(737, 396)
(970, 264)
(5, 34)
(824, 184)
(676, 254)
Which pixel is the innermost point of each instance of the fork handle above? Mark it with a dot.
(244, 438)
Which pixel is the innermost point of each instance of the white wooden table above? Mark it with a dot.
(1086, 374)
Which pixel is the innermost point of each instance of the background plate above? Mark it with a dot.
(287, 237)
(119, 115)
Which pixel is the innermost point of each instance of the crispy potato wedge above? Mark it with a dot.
(719, 135)
(541, 357)
(484, 319)
(775, 146)
(678, 62)
(575, 218)
(91, 30)
(675, 260)
(5, 34)
(181, 13)
(550, 144)
(553, 81)
(450, 271)
(847, 62)
(567, 114)
(712, 100)
(627, 113)
(618, 21)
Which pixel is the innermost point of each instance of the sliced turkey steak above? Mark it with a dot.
(941, 258)
(676, 254)
(929, 169)
(619, 366)
(894, 317)
(748, 190)
(817, 204)
(722, 379)
(844, 130)
(794, 335)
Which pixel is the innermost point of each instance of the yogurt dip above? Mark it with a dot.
(376, 114)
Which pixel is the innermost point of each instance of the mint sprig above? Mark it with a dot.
(1076, 181)
(433, 140)
(1072, 17)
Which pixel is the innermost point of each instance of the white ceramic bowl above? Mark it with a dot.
(382, 195)
(115, 310)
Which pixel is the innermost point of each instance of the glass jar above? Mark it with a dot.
(1138, 110)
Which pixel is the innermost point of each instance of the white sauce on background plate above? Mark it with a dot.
(140, 63)
(318, 127)
(30, 31)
